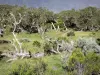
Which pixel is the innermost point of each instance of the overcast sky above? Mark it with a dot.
(54, 5)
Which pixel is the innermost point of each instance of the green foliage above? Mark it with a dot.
(24, 40)
(54, 65)
(88, 18)
(63, 39)
(92, 64)
(92, 34)
(83, 59)
(71, 33)
(88, 64)
(47, 48)
(59, 23)
(98, 41)
(88, 44)
(75, 60)
(77, 56)
(37, 44)
(28, 67)
(84, 19)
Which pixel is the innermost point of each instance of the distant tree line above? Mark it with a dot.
(87, 19)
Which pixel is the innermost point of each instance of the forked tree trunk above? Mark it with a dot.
(18, 47)
(15, 37)
(53, 26)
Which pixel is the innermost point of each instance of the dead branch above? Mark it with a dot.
(15, 25)
(53, 26)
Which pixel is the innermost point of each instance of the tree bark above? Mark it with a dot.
(53, 26)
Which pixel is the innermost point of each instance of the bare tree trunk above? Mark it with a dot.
(41, 32)
(15, 38)
(19, 52)
(18, 49)
(58, 27)
(65, 26)
(53, 26)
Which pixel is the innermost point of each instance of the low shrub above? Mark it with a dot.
(28, 67)
(47, 48)
(24, 40)
(63, 39)
(92, 34)
(98, 41)
(92, 64)
(83, 65)
(37, 44)
(88, 44)
(71, 33)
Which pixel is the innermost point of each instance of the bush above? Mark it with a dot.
(98, 41)
(28, 67)
(88, 44)
(71, 33)
(76, 59)
(87, 65)
(59, 45)
(37, 44)
(5, 41)
(92, 34)
(62, 29)
(63, 38)
(92, 64)
(24, 40)
(47, 48)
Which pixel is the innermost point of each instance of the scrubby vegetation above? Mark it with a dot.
(36, 41)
